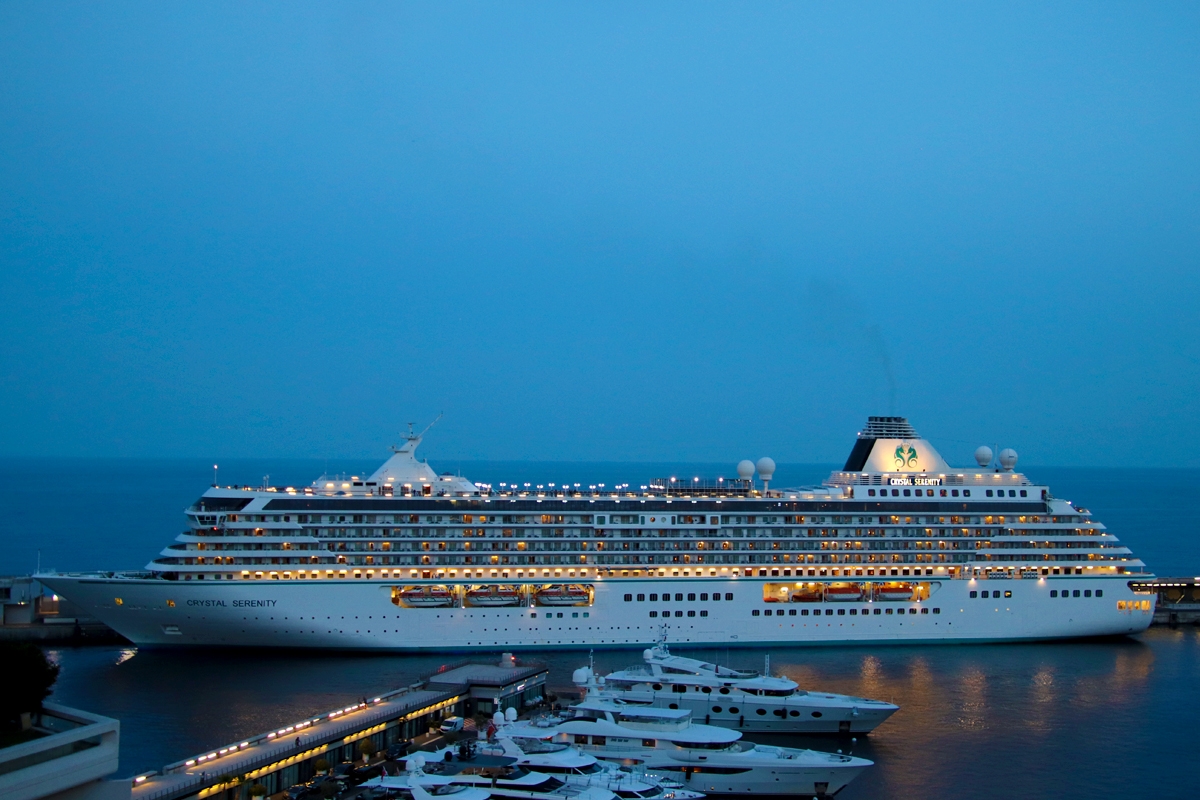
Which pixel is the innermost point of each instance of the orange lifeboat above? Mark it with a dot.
(494, 596)
(843, 592)
(427, 597)
(560, 595)
(810, 593)
(894, 591)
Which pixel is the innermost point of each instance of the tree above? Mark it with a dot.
(258, 790)
(367, 749)
(30, 680)
(320, 765)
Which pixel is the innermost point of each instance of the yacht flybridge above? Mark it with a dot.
(741, 699)
(897, 546)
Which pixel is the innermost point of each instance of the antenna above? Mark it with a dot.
(214, 475)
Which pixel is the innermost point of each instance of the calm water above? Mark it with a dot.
(1086, 719)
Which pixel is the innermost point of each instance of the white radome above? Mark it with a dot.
(1008, 458)
(983, 456)
(766, 468)
(745, 469)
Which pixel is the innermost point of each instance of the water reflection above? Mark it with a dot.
(1002, 720)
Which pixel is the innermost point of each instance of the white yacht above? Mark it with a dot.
(499, 776)
(703, 758)
(897, 546)
(568, 764)
(743, 699)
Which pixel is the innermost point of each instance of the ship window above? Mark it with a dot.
(937, 611)
(1024, 493)
(907, 493)
(924, 610)
(704, 596)
(888, 611)
(1075, 593)
(1008, 594)
(817, 714)
(954, 492)
(1012, 492)
(653, 613)
(841, 612)
(678, 597)
(791, 612)
(679, 613)
(691, 597)
(762, 712)
(1054, 592)
(854, 612)
(767, 613)
(654, 598)
(641, 598)
(728, 595)
(974, 594)
(988, 492)
(716, 709)
(754, 613)
(966, 492)
(704, 614)
(878, 611)
(691, 613)
(912, 611)
(1087, 592)
(1099, 593)
(628, 598)
(895, 492)
(804, 612)
(871, 492)
(829, 612)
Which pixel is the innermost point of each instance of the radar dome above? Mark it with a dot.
(510, 714)
(745, 469)
(983, 456)
(1008, 458)
(766, 468)
(581, 676)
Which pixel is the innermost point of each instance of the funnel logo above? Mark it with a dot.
(906, 456)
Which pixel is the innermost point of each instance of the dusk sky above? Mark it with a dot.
(644, 231)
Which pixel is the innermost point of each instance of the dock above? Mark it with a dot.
(281, 758)
(1178, 600)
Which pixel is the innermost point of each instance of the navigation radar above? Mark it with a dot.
(745, 469)
(766, 468)
(1008, 458)
(983, 456)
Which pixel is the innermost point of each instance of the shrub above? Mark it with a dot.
(30, 680)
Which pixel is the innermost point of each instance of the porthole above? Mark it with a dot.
(706, 689)
(673, 705)
(716, 709)
(733, 710)
(794, 713)
(762, 712)
(724, 690)
(658, 687)
(816, 714)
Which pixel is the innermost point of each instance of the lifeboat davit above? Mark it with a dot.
(843, 592)
(563, 596)
(427, 597)
(895, 592)
(494, 596)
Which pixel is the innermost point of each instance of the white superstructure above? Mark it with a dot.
(895, 547)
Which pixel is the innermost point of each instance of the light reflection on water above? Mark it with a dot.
(1065, 719)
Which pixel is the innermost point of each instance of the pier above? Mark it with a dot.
(281, 758)
(1178, 600)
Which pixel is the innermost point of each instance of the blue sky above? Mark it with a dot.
(668, 231)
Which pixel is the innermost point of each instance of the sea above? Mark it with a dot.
(1078, 719)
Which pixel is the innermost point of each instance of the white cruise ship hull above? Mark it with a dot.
(360, 615)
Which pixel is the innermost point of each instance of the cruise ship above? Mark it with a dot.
(897, 546)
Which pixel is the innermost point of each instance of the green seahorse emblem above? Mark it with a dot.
(906, 456)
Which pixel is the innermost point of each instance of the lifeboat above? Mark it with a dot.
(563, 596)
(843, 592)
(894, 591)
(427, 597)
(806, 594)
(494, 596)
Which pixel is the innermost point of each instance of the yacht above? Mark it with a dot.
(499, 776)
(895, 547)
(743, 699)
(568, 764)
(703, 758)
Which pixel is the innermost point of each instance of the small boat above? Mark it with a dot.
(560, 595)
(494, 596)
(843, 592)
(810, 593)
(427, 597)
(894, 591)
